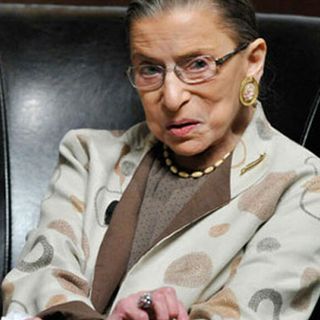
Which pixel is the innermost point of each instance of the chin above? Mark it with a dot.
(186, 149)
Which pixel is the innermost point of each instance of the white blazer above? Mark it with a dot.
(254, 255)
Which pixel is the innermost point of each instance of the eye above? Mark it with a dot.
(149, 70)
(197, 64)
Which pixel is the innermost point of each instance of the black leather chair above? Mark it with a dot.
(63, 67)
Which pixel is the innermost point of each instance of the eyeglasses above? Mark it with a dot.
(149, 77)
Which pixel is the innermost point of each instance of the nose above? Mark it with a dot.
(174, 92)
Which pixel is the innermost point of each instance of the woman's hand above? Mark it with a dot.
(165, 306)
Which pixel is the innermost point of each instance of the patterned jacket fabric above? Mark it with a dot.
(254, 255)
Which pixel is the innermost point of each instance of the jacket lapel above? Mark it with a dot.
(115, 248)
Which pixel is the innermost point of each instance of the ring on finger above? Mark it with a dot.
(145, 301)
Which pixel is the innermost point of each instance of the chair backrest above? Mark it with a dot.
(63, 67)
(292, 77)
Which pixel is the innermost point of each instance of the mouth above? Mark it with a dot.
(182, 128)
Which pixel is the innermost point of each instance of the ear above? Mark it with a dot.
(257, 51)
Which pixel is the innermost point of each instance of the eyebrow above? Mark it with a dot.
(191, 54)
(143, 57)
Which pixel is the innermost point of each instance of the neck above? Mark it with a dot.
(204, 159)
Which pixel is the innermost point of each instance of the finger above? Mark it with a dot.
(127, 309)
(134, 314)
(172, 302)
(114, 316)
(182, 314)
(160, 306)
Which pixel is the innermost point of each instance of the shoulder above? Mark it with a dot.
(139, 131)
(83, 144)
(291, 155)
(293, 177)
(283, 152)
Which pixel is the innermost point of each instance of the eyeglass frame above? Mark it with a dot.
(218, 62)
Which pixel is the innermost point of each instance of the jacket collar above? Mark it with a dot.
(252, 155)
(132, 147)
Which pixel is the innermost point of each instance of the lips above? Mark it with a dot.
(182, 128)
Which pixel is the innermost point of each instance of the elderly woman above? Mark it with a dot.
(212, 213)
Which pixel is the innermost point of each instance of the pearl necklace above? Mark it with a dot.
(194, 174)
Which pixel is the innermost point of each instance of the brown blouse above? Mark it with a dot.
(165, 195)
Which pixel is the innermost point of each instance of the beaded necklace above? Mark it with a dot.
(193, 174)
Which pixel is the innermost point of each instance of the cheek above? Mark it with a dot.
(223, 109)
(224, 89)
(220, 101)
(220, 116)
(229, 82)
(148, 104)
(226, 99)
(152, 112)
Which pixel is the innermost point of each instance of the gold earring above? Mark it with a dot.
(249, 91)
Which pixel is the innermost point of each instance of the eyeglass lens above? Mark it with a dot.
(191, 71)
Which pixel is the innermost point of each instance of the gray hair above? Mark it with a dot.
(237, 15)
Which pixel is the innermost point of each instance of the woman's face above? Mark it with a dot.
(192, 119)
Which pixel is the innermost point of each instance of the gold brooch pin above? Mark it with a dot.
(252, 164)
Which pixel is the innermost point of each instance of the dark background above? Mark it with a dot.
(303, 7)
